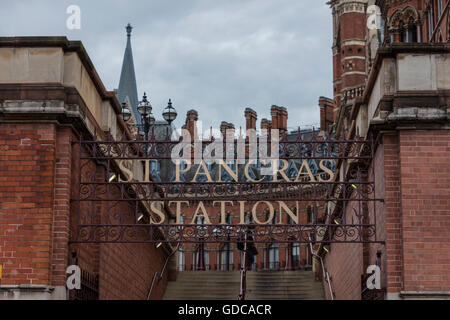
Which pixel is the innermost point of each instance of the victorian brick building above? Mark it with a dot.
(392, 82)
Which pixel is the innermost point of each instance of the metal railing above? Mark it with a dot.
(159, 275)
(243, 286)
(326, 275)
(256, 266)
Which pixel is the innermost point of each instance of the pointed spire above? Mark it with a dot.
(129, 28)
(127, 91)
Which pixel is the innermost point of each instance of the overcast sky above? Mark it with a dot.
(215, 56)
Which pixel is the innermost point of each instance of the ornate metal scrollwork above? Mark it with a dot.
(108, 203)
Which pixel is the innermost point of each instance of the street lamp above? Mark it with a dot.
(169, 113)
(144, 106)
(145, 110)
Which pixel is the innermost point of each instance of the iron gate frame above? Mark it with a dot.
(357, 154)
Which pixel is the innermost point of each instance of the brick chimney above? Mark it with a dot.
(191, 123)
(250, 119)
(327, 113)
(282, 119)
(266, 124)
(274, 113)
(224, 126)
(279, 118)
(232, 128)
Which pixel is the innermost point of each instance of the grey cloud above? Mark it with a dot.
(215, 56)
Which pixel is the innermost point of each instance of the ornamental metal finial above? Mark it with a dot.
(129, 29)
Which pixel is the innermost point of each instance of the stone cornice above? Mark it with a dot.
(406, 109)
(66, 46)
(392, 50)
(49, 102)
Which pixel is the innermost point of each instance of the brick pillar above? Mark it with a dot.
(61, 207)
(394, 257)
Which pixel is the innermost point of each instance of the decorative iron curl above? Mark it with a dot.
(212, 233)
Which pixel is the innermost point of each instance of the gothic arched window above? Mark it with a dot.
(405, 24)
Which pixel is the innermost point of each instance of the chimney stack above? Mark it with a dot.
(191, 123)
(266, 124)
(282, 119)
(274, 114)
(231, 128)
(224, 126)
(327, 113)
(250, 119)
(279, 118)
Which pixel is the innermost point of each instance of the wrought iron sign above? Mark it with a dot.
(138, 191)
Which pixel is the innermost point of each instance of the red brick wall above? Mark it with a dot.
(27, 162)
(353, 26)
(38, 176)
(425, 186)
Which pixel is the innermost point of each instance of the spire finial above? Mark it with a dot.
(129, 29)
